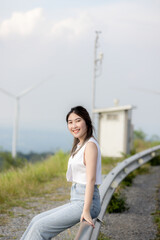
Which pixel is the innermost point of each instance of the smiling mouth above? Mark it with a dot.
(76, 130)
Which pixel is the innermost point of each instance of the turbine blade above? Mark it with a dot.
(33, 87)
(147, 90)
(8, 93)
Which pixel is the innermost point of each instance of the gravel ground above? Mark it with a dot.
(19, 220)
(135, 224)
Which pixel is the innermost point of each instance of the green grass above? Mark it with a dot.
(140, 145)
(144, 169)
(17, 184)
(157, 221)
(101, 236)
(109, 163)
(128, 180)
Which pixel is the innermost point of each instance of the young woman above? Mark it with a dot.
(84, 171)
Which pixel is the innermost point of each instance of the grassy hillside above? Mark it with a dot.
(20, 183)
(140, 145)
(31, 179)
(17, 184)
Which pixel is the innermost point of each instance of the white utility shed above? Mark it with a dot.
(115, 130)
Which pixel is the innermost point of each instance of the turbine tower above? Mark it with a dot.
(16, 119)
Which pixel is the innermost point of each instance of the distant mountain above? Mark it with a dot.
(36, 140)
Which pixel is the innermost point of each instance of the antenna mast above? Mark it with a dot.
(96, 71)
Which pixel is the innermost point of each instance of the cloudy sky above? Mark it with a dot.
(54, 41)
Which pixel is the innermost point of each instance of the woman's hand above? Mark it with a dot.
(86, 216)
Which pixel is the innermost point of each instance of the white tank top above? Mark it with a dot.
(76, 171)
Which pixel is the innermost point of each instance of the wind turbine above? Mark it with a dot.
(16, 119)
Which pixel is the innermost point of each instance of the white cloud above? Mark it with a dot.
(120, 23)
(21, 23)
(123, 22)
(72, 27)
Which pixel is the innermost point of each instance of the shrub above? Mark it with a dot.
(129, 179)
(101, 236)
(118, 203)
(155, 161)
(9, 162)
(139, 134)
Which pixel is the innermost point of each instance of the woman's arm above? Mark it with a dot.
(90, 160)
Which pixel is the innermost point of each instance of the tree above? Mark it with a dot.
(139, 134)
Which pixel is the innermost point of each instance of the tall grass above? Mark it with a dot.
(140, 145)
(108, 163)
(16, 184)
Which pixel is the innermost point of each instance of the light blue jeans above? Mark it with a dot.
(48, 224)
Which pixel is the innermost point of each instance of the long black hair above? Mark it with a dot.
(82, 112)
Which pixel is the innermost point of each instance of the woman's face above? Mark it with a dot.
(77, 126)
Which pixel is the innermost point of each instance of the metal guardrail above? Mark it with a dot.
(108, 186)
